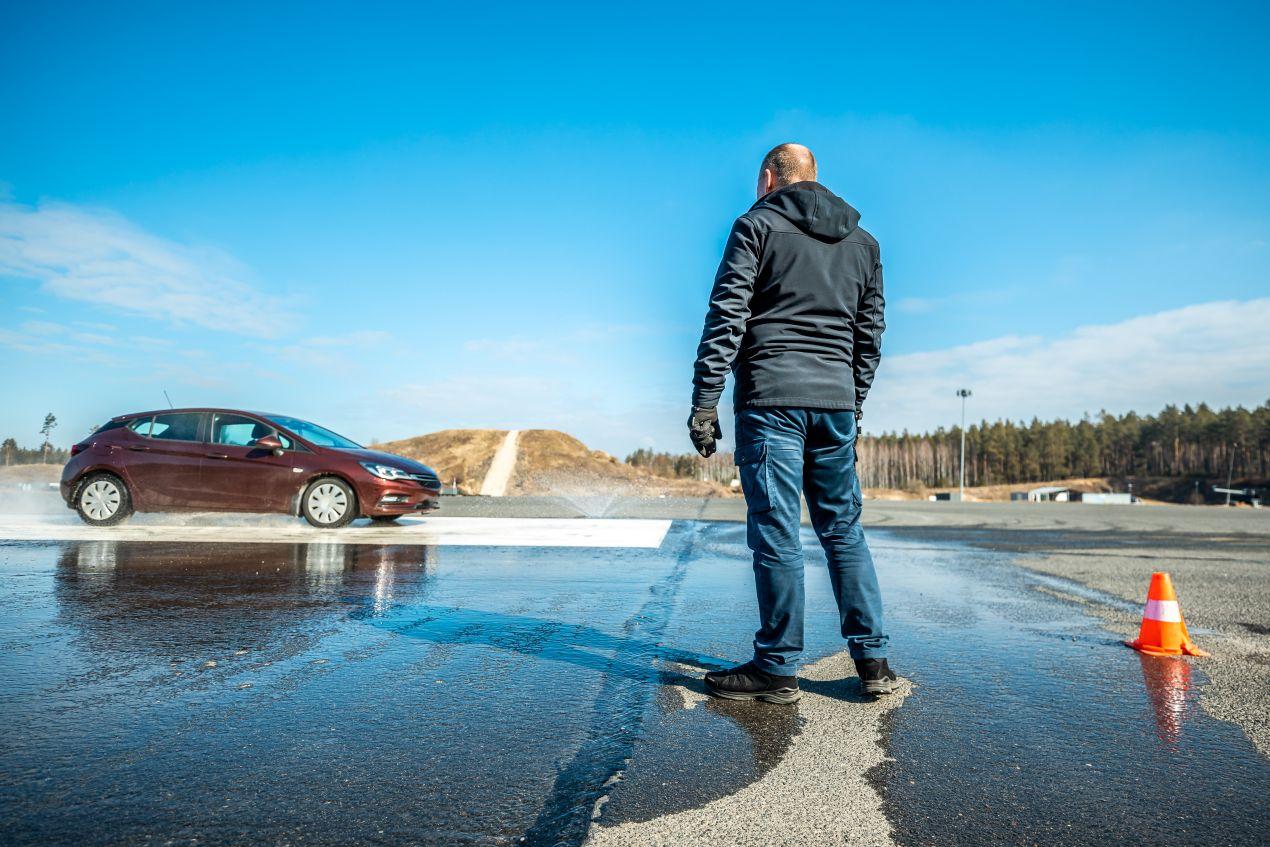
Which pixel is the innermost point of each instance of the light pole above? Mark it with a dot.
(1230, 469)
(963, 393)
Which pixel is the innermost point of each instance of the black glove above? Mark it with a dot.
(704, 430)
(859, 415)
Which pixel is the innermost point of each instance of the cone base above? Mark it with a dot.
(1187, 649)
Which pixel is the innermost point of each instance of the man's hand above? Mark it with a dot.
(704, 430)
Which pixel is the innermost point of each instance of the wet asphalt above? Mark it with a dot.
(369, 694)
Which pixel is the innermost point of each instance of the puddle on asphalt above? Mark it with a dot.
(338, 694)
(1031, 724)
(1073, 588)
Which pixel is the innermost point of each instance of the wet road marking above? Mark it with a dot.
(432, 531)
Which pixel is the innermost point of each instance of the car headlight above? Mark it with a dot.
(385, 471)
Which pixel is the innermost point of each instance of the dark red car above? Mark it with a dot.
(232, 461)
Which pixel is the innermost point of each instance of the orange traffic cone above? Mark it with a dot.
(1163, 631)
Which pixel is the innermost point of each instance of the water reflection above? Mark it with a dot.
(174, 600)
(1168, 684)
(259, 635)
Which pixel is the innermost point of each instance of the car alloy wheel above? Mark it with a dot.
(101, 499)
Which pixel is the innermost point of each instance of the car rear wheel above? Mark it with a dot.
(103, 500)
(328, 503)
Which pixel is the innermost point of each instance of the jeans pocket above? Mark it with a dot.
(751, 461)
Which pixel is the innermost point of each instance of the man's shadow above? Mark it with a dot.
(577, 644)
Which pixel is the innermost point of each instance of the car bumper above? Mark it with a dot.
(391, 497)
(71, 475)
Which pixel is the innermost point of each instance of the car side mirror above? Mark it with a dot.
(271, 443)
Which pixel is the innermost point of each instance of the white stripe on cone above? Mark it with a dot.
(1166, 611)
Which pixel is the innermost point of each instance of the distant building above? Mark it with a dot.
(1102, 497)
(1052, 493)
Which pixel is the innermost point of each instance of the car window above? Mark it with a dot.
(109, 425)
(180, 426)
(141, 426)
(318, 435)
(239, 431)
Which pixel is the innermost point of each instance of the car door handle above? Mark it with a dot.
(139, 448)
(218, 455)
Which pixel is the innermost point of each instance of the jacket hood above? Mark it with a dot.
(814, 209)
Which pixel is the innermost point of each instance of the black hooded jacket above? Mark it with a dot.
(796, 310)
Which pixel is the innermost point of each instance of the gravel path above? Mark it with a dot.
(500, 470)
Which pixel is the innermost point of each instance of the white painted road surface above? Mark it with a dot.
(430, 531)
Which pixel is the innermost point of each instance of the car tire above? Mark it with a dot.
(383, 520)
(103, 499)
(328, 503)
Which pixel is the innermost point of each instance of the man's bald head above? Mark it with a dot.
(784, 165)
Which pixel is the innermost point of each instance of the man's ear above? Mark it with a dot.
(766, 182)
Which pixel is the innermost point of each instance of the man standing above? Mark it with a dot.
(796, 314)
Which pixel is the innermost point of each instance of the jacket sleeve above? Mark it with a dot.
(728, 312)
(869, 324)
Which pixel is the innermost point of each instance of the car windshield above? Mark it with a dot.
(313, 433)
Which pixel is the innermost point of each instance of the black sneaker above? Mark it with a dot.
(746, 682)
(876, 676)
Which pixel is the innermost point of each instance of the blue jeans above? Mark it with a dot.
(780, 453)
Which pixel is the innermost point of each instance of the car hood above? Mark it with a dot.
(388, 459)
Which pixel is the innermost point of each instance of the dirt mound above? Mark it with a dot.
(554, 462)
(548, 462)
(459, 456)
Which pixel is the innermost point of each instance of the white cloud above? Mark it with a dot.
(917, 305)
(506, 348)
(336, 354)
(1216, 352)
(490, 400)
(99, 257)
(556, 346)
(50, 339)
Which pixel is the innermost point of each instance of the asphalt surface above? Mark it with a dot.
(343, 694)
(1101, 556)
(367, 693)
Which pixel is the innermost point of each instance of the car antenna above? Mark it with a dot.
(169, 399)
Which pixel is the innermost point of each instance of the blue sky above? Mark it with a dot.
(395, 219)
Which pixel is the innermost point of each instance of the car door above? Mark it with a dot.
(238, 476)
(164, 461)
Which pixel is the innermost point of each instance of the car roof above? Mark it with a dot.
(190, 410)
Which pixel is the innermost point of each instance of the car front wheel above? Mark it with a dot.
(328, 503)
(103, 500)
